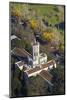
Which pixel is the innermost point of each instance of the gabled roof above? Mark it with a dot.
(49, 63)
(19, 63)
(43, 73)
(37, 68)
(33, 70)
(46, 75)
(21, 52)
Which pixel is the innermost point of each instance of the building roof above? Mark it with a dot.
(43, 73)
(13, 37)
(51, 62)
(32, 70)
(46, 75)
(19, 63)
(37, 68)
(21, 52)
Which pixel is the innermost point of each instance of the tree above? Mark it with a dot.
(33, 24)
(61, 48)
(47, 36)
(15, 9)
(58, 80)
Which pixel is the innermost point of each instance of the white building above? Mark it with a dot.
(38, 58)
(34, 71)
(43, 58)
(33, 60)
(35, 50)
(42, 70)
(37, 62)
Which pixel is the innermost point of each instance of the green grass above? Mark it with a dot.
(50, 13)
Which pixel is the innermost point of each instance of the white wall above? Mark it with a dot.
(46, 68)
(21, 67)
(34, 74)
(51, 66)
(36, 54)
(43, 60)
(55, 65)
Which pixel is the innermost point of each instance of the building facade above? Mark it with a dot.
(38, 58)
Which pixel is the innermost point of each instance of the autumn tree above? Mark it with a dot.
(33, 23)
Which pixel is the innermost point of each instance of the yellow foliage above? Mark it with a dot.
(16, 13)
(33, 24)
(48, 36)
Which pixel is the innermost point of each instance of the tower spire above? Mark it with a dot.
(35, 48)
